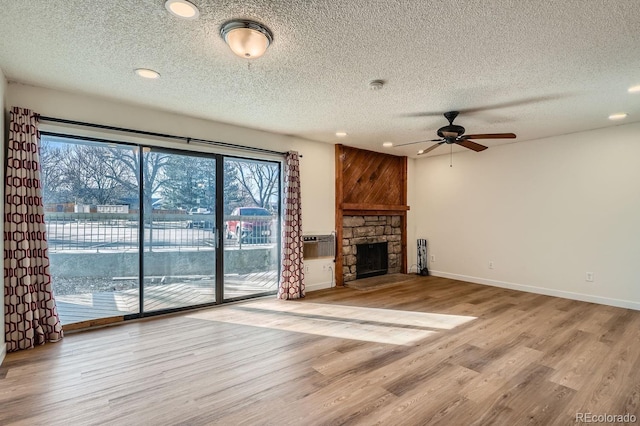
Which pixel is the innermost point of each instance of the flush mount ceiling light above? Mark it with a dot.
(634, 89)
(387, 144)
(341, 134)
(182, 9)
(247, 39)
(619, 116)
(147, 73)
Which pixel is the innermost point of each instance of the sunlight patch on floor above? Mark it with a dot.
(388, 316)
(347, 322)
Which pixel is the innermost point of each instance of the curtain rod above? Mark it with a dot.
(162, 135)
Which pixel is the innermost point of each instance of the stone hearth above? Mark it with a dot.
(368, 230)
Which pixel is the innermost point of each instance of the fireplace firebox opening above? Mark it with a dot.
(372, 260)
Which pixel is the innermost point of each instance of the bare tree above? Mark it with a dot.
(88, 175)
(124, 167)
(260, 181)
(52, 174)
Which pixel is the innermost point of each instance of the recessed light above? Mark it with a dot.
(387, 144)
(634, 89)
(182, 9)
(147, 73)
(619, 116)
(341, 134)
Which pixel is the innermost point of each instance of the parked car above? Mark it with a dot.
(205, 222)
(249, 225)
(199, 210)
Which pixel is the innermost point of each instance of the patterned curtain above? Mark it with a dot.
(31, 316)
(292, 278)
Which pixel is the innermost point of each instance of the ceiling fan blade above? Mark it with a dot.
(490, 136)
(431, 148)
(471, 145)
(413, 143)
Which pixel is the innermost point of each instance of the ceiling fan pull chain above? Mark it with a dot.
(450, 155)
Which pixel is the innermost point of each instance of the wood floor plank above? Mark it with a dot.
(418, 351)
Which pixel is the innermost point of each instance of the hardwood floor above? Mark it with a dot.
(426, 351)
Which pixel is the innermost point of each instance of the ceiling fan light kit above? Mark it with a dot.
(452, 130)
(247, 39)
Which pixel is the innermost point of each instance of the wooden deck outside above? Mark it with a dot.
(85, 307)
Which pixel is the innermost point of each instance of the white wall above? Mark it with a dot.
(316, 167)
(3, 86)
(412, 194)
(545, 212)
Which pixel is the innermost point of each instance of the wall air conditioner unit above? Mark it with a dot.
(319, 246)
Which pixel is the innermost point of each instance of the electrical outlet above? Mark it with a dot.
(306, 268)
(491, 264)
(433, 257)
(589, 277)
(325, 267)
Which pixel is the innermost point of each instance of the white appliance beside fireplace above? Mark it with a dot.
(319, 252)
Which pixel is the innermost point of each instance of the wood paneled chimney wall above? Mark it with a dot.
(369, 183)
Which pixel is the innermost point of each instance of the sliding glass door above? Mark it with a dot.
(179, 194)
(137, 231)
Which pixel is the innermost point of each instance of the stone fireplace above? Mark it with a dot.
(371, 207)
(369, 230)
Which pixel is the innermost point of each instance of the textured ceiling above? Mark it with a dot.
(536, 68)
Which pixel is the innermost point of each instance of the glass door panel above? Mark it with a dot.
(90, 194)
(179, 230)
(251, 227)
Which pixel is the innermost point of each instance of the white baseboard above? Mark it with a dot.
(541, 290)
(317, 286)
(3, 352)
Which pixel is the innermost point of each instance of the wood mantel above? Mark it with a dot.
(356, 209)
(369, 183)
